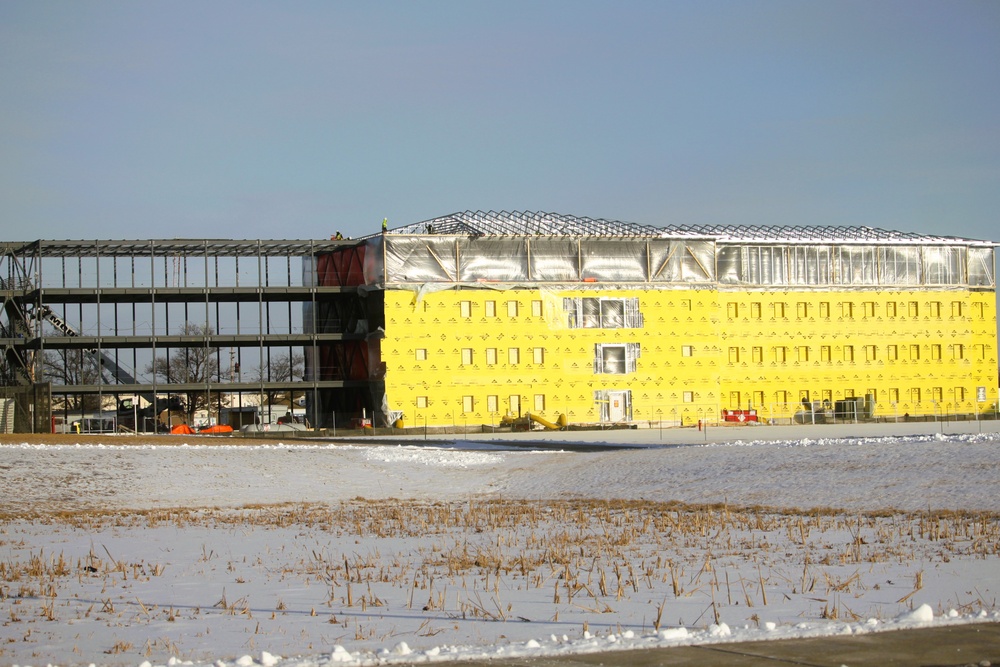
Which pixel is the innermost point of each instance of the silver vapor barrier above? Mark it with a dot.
(439, 258)
(855, 265)
(419, 259)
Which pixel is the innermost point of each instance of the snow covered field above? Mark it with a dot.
(306, 554)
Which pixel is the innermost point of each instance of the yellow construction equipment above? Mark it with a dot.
(558, 425)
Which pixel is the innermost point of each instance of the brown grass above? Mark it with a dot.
(464, 558)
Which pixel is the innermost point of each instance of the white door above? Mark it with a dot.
(617, 409)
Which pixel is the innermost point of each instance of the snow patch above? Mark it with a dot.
(922, 614)
(672, 634)
(719, 630)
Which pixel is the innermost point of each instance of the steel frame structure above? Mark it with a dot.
(134, 301)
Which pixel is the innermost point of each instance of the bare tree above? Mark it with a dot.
(73, 367)
(280, 368)
(189, 365)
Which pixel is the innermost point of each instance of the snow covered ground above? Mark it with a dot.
(306, 554)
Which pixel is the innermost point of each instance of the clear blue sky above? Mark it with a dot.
(294, 119)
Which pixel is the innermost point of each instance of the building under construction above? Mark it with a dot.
(483, 318)
(156, 328)
(494, 315)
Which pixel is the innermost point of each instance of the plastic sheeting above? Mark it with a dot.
(554, 259)
(418, 259)
(855, 265)
(900, 265)
(944, 265)
(981, 267)
(462, 259)
(493, 259)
